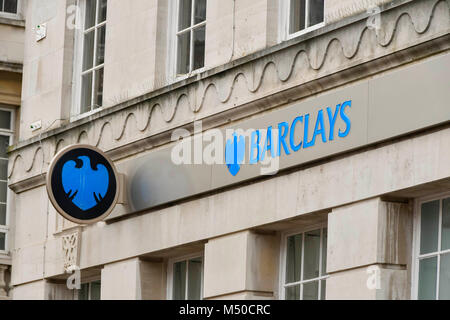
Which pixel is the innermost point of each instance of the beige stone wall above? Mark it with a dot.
(134, 279)
(46, 83)
(238, 28)
(12, 33)
(242, 264)
(12, 39)
(369, 250)
(132, 43)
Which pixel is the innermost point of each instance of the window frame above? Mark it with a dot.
(170, 264)
(16, 15)
(89, 283)
(283, 257)
(285, 12)
(173, 32)
(5, 132)
(416, 256)
(78, 61)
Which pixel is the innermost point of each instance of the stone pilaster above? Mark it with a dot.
(243, 265)
(369, 248)
(133, 279)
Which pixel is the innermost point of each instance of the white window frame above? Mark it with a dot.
(16, 15)
(174, 7)
(78, 62)
(89, 283)
(283, 256)
(10, 133)
(186, 258)
(416, 256)
(285, 10)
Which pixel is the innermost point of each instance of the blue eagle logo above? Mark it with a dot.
(85, 185)
(234, 154)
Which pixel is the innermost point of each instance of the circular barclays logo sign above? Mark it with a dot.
(82, 184)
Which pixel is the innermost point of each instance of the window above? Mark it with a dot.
(90, 291)
(304, 15)
(304, 268)
(6, 133)
(190, 36)
(90, 63)
(9, 6)
(433, 250)
(186, 279)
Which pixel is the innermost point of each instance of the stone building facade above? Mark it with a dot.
(12, 34)
(361, 211)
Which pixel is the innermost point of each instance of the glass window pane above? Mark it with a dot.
(179, 281)
(323, 290)
(445, 239)
(3, 191)
(184, 14)
(184, 48)
(4, 144)
(89, 20)
(444, 278)
(311, 289)
(98, 89)
(2, 241)
(88, 50)
(324, 251)
(83, 293)
(312, 255)
(102, 7)
(5, 119)
(1, 5)
(100, 53)
(86, 93)
(429, 227)
(95, 290)
(3, 169)
(293, 293)
(2, 214)
(200, 11)
(294, 258)
(11, 6)
(297, 16)
(427, 278)
(199, 48)
(194, 279)
(315, 12)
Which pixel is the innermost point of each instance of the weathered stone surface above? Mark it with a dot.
(244, 263)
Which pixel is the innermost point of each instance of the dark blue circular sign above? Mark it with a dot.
(82, 184)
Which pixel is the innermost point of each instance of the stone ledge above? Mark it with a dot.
(12, 22)
(11, 67)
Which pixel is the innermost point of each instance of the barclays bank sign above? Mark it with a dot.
(284, 138)
(83, 184)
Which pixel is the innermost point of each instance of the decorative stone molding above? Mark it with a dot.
(326, 58)
(71, 244)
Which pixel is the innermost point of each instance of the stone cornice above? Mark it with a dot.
(337, 54)
(12, 22)
(11, 67)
